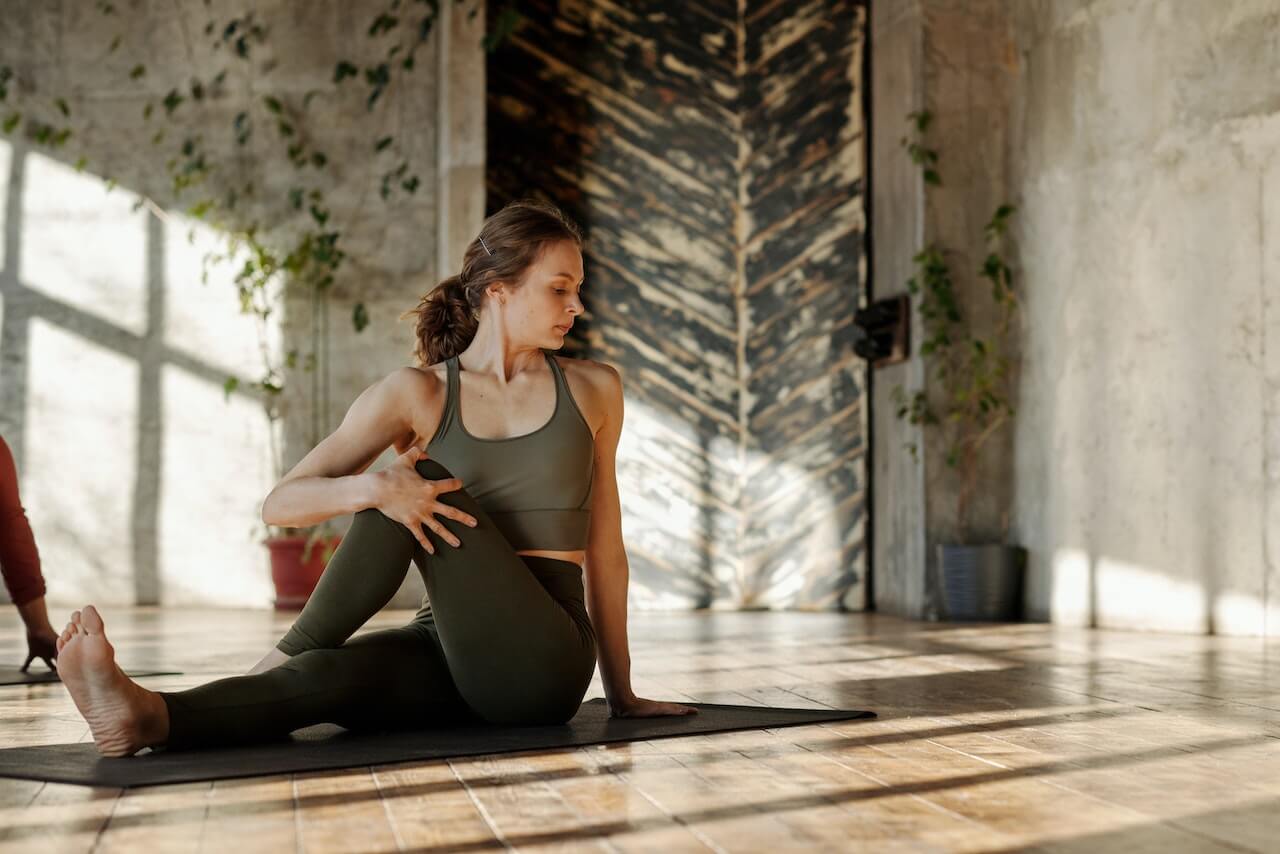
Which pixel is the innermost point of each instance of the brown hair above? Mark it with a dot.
(447, 317)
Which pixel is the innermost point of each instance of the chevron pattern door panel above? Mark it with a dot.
(714, 154)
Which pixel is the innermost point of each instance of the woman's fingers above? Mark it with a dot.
(443, 532)
(451, 484)
(416, 530)
(461, 516)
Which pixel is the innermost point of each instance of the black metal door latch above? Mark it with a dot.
(885, 327)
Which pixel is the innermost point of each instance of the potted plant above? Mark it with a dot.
(983, 580)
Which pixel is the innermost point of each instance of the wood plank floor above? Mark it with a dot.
(990, 738)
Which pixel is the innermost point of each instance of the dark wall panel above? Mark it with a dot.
(714, 154)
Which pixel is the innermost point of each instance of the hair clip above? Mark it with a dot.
(485, 245)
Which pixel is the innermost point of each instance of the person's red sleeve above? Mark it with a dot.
(19, 560)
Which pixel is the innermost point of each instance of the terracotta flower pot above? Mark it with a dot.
(293, 579)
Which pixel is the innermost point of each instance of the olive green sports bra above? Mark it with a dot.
(537, 487)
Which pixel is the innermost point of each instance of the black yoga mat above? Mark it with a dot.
(39, 674)
(327, 746)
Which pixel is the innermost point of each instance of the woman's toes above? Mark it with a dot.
(91, 620)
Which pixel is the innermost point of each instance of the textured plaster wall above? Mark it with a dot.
(143, 484)
(1139, 140)
(1148, 484)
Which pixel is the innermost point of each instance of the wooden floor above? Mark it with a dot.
(990, 738)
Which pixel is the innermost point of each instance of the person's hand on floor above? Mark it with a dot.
(41, 643)
(638, 707)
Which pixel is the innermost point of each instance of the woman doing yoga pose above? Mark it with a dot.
(512, 518)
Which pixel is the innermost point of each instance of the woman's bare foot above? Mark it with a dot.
(270, 660)
(123, 716)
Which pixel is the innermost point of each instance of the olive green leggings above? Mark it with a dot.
(506, 639)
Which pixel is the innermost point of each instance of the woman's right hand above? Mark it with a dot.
(410, 499)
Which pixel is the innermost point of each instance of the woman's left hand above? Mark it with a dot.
(638, 707)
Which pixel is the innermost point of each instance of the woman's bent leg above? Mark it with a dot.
(507, 639)
(384, 679)
(362, 575)
(515, 629)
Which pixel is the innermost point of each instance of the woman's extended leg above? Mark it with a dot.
(384, 679)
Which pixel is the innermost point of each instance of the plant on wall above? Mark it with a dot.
(972, 371)
(299, 253)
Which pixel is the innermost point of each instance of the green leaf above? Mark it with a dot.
(295, 198)
(115, 43)
(285, 128)
(410, 185)
(11, 122)
(344, 70)
(359, 317)
(382, 144)
(62, 106)
(148, 110)
(384, 23)
(273, 104)
(318, 159)
(507, 22)
(81, 163)
(172, 100)
(137, 71)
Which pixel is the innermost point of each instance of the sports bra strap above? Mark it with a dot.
(451, 398)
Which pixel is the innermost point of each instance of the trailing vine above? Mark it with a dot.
(973, 371)
(275, 261)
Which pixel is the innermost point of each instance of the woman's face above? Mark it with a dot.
(551, 297)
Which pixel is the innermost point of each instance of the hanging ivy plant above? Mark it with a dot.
(308, 259)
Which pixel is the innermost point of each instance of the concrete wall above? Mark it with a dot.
(142, 483)
(1148, 448)
(952, 59)
(1139, 141)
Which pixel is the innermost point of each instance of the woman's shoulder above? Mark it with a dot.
(598, 375)
(416, 378)
(595, 386)
(421, 392)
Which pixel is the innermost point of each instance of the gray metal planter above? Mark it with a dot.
(981, 582)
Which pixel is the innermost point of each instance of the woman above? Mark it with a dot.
(20, 566)
(501, 514)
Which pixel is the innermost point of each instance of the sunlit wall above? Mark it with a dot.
(142, 481)
(1148, 470)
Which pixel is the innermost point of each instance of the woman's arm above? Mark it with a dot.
(607, 573)
(331, 479)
